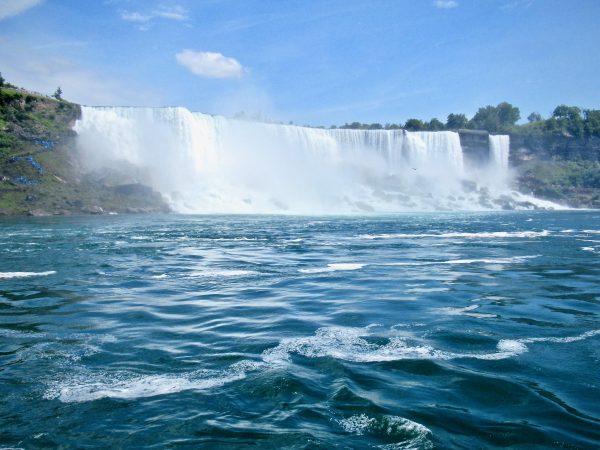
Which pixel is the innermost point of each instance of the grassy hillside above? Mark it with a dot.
(39, 173)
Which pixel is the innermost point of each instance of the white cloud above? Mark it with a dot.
(172, 13)
(135, 17)
(10, 8)
(175, 12)
(210, 64)
(445, 4)
(516, 4)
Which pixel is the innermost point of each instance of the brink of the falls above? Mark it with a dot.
(210, 164)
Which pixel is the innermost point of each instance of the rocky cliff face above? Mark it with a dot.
(526, 147)
(39, 170)
(475, 145)
(558, 168)
(562, 168)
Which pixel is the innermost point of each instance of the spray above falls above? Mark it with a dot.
(210, 164)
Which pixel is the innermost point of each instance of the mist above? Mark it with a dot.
(211, 164)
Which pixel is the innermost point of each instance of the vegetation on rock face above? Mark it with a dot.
(58, 94)
(576, 183)
(39, 170)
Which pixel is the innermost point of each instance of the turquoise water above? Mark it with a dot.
(409, 331)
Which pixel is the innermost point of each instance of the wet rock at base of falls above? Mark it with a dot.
(38, 213)
(92, 210)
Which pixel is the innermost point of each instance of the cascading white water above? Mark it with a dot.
(204, 163)
(499, 151)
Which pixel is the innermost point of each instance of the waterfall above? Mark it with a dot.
(499, 151)
(208, 164)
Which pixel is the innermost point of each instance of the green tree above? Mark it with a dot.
(435, 125)
(58, 94)
(414, 125)
(501, 118)
(353, 126)
(592, 122)
(392, 126)
(375, 126)
(534, 117)
(508, 115)
(567, 120)
(456, 121)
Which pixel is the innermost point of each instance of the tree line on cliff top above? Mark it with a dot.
(565, 120)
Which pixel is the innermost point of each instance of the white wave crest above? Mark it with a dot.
(348, 344)
(480, 235)
(590, 249)
(562, 340)
(342, 343)
(412, 435)
(333, 268)
(226, 273)
(510, 260)
(123, 385)
(26, 274)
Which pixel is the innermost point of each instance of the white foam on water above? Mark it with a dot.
(348, 344)
(432, 289)
(510, 260)
(128, 387)
(342, 343)
(356, 424)
(159, 277)
(511, 346)
(592, 231)
(333, 268)
(85, 387)
(590, 249)
(412, 435)
(223, 273)
(562, 340)
(237, 239)
(26, 274)
(486, 235)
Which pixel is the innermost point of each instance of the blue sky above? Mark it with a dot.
(317, 62)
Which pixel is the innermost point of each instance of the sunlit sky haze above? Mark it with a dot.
(318, 62)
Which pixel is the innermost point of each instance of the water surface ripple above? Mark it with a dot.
(412, 331)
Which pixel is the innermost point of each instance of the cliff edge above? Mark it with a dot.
(39, 170)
